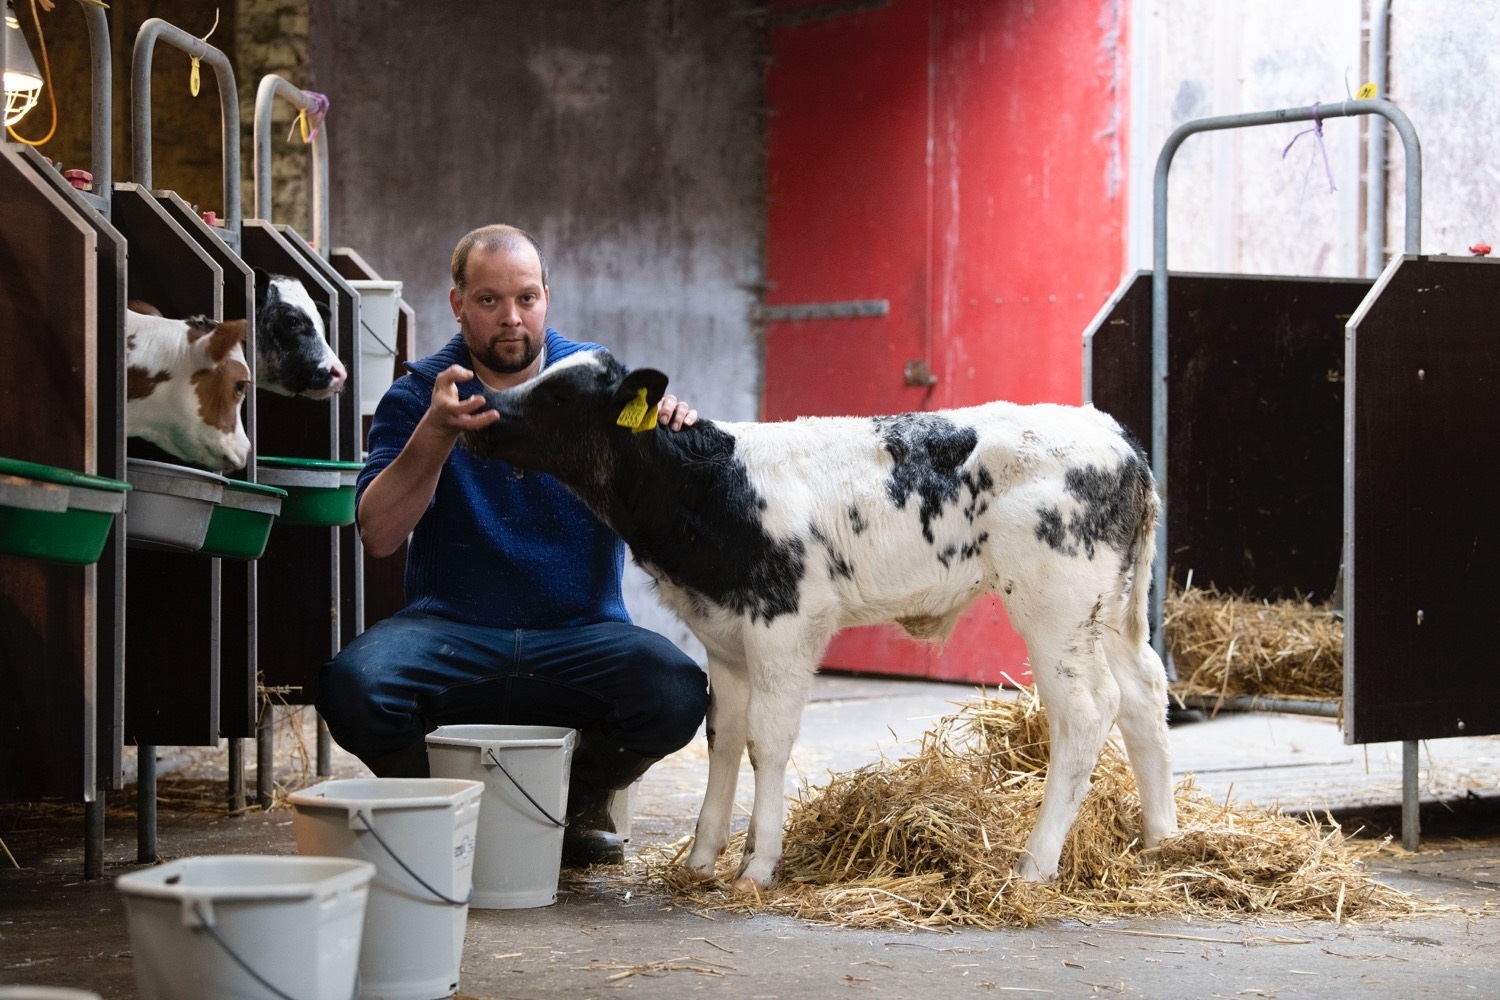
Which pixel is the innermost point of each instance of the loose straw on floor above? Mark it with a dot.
(929, 841)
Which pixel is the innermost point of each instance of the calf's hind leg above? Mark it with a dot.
(1143, 722)
(1081, 699)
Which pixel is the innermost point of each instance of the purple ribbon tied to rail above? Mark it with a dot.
(1316, 130)
(315, 111)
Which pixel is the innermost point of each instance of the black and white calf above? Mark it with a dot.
(767, 538)
(292, 355)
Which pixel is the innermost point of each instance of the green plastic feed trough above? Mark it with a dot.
(318, 491)
(241, 523)
(56, 514)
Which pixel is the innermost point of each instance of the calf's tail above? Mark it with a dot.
(1137, 624)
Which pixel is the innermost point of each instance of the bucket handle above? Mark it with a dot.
(490, 753)
(370, 827)
(388, 348)
(206, 924)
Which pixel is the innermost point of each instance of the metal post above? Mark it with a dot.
(236, 790)
(271, 87)
(101, 122)
(265, 756)
(229, 107)
(101, 162)
(1380, 16)
(1411, 820)
(1261, 703)
(93, 836)
(145, 804)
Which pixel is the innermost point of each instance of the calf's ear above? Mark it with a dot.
(653, 381)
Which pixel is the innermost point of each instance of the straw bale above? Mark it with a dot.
(1228, 644)
(929, 841)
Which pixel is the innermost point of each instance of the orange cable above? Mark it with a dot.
(51, 92)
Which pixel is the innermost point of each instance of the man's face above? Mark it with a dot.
(503, 309)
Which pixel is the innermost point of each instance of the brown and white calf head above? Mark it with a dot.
(185, 381)
(292, 356)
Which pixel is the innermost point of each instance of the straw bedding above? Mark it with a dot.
(1226, 644)
(929, 841)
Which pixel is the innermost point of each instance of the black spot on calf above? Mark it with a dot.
(838, 565)
(928, 450)
(857, 522)
(1111, 505)
(704, 489)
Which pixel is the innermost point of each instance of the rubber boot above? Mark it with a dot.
(408, 762)
(599, 770)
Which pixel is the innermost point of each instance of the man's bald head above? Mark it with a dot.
(496, 237)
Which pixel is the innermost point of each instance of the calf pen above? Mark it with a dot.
(1318, 423)
(184, 627)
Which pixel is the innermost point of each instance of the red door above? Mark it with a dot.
(946, 194)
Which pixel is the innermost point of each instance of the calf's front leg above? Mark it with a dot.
(728, 719)
(776, 705)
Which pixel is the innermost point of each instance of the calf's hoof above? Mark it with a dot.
(701, 863)
(1029, 871)
(754, 875)
(749, 886)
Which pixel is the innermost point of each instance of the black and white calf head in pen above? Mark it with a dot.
(767, 538)
(292, 354)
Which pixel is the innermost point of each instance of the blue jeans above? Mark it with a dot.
(410, 673)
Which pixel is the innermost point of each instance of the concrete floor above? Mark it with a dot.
(58, 929)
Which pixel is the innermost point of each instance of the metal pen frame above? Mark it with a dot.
(1159, 374)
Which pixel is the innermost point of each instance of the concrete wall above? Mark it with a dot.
(271, 37)
(626, 137)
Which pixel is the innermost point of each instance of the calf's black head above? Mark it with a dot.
(292, 355)
(561, 421)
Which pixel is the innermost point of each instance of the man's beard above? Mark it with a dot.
(491, 358)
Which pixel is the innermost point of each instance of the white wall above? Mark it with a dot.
(1444, 57)
(1235, 203)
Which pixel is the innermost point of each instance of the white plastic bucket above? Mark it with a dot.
(246, 926)
(419, 833)
(525, 774)
(379, 318)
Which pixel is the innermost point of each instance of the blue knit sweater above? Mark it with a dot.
(497, 547)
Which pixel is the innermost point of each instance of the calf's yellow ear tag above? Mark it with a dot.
(638, 415)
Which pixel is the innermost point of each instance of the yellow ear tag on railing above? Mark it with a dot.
(193, 78)
(637, 414)
(302, 123)
(1366, 92)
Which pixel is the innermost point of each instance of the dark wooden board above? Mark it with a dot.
(1420, 659)
(48, 316)
(1255, 423)
(109, 438)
